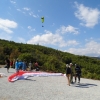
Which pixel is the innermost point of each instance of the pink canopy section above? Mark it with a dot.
(25, 74)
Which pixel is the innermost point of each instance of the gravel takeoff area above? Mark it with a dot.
(47, 88)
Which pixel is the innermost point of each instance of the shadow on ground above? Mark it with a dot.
(83, 85)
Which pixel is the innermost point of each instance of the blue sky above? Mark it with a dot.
(69, 25)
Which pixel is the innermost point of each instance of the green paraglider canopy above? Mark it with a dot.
(42, 19)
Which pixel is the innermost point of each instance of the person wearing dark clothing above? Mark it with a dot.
(68, 73)
(36, 66)
(77, 73)
(7, 64)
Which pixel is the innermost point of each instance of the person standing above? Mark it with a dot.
(24, 66)
(17, 65)
(36, 66)
(11, 63)
(77, 72)
(20, 64)
(14, 63)
(7, 64)
(68, 73)
(72, 72)
(30, 66)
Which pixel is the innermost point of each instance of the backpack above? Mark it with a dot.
(68, 70)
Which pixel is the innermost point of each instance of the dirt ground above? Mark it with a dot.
(1, 66)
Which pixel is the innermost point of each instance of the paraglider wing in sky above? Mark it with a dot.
(42, 19)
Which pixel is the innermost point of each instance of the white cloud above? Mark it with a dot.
(13, 2)
(68, 43)
(35, 16)
(51, 39)
(21, 40)
(47, 38)
(26, 8)
(28, 11)
(72, 42)
(32, 14)
(5, 36)
(30, 28)
(91, 48)
(87, 15)
(68, 29)
(18, 10)
(6, 25)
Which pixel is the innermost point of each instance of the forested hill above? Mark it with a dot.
(48, 58)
